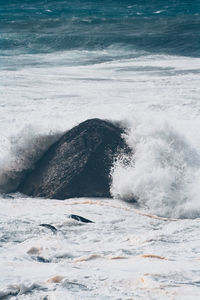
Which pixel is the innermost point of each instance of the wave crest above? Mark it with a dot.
(164, 173)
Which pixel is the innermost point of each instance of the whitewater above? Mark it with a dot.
(136, 63)
(148, 251)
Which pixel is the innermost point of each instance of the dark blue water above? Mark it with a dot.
(32, 26)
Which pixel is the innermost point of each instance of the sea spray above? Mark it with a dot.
(19, 153)
(63, 62)
(163, 175)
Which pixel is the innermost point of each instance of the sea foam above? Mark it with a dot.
(164, 172)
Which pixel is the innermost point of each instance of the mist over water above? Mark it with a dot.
(137, 62)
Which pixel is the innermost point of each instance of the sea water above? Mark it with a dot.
(137, 62)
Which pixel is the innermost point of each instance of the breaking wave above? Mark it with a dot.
(163, 174)
(19, 153)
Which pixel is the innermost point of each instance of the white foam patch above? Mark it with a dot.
(163, 174)
(133, 253)
(157, 95)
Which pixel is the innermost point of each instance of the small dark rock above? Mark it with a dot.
(49, 226)
(80, 219)
(42, 259)
(78, 164)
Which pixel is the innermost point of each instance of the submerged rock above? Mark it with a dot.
(49, 226)
(78, 164)
(80, 219)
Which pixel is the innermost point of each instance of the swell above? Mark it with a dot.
(81, 25)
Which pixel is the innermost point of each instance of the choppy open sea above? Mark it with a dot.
(138, 62)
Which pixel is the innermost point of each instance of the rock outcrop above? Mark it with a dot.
(78, 164)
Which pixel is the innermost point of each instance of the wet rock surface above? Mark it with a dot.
(78, 164)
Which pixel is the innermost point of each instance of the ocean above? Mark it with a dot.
(136, 62)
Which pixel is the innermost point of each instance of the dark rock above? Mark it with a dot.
(41, 259)
(78, 164)
(80, 219)
(49, 226)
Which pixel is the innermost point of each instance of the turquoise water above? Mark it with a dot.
(169, 27)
